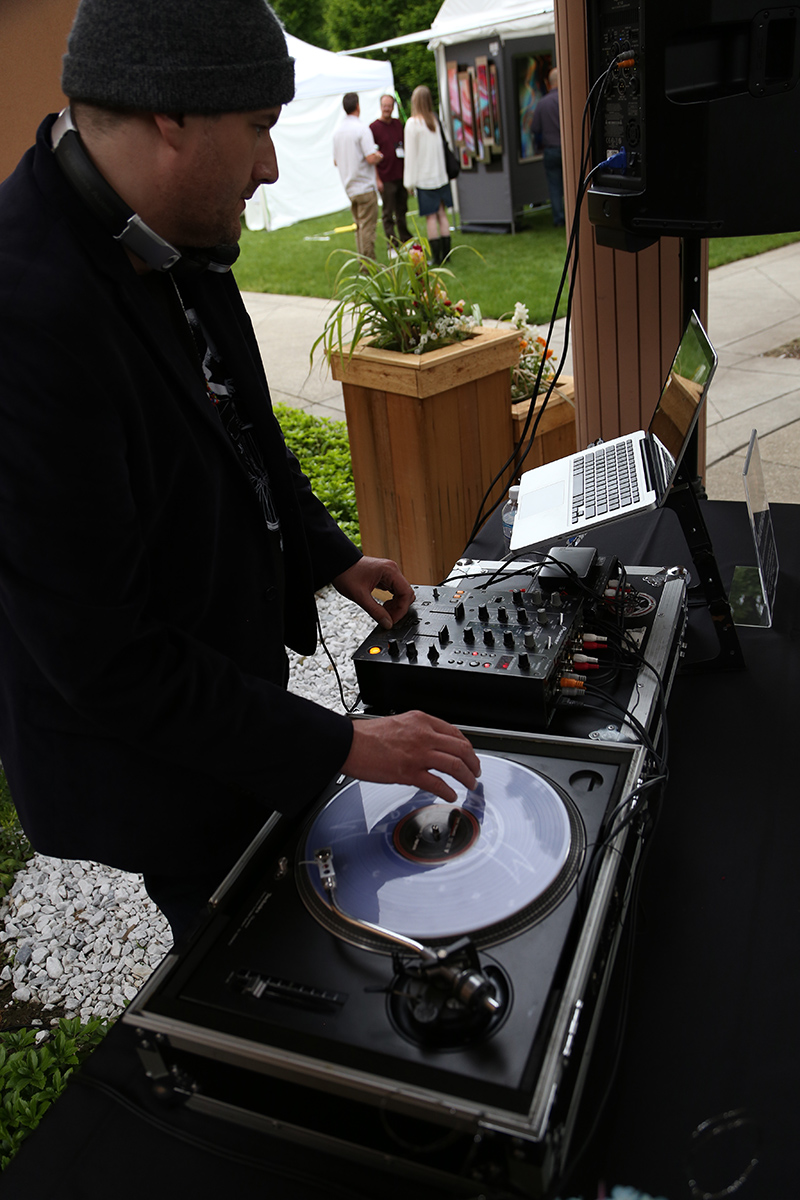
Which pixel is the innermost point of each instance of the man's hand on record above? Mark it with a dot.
(358, 583)
(406, 748)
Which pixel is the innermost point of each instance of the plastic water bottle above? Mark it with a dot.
(509, 513)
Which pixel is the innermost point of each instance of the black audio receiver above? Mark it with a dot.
(479, 650)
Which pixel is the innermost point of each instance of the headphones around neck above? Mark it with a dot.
(120, 220)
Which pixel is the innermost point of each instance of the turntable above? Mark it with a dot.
(412, 985)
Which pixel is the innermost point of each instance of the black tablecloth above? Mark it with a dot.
(712, 1024)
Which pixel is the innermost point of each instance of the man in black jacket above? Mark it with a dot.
(159, 545)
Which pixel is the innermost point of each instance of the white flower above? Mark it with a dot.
(520, 317)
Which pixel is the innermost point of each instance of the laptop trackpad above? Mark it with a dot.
(542, 500)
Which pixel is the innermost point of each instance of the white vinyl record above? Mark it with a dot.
(513, 843)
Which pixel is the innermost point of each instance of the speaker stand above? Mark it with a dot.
(684, 503)
(691, 300)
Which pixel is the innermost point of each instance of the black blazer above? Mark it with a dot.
(143, 719)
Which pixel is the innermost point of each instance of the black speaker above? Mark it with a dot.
(706, 105)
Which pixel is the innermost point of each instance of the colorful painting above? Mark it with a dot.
(455, 103)
(494, 100)
(483, 104)
(467, 115)
(530, 84)
(482, 151)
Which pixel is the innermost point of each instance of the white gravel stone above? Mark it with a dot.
(92, 933)
(54, 967)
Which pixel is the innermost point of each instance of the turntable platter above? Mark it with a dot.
(495, 863)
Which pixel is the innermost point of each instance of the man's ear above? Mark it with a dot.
(171, 127)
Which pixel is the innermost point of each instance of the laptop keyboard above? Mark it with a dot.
(604, 481)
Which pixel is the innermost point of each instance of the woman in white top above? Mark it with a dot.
(425, 170)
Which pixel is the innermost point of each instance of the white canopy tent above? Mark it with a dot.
(309, 183)
(467, 20)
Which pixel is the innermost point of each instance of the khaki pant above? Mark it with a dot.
(365, 214)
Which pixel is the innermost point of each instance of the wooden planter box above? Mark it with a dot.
(556, 435)
(428, 433)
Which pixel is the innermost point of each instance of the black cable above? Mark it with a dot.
(572, 254)
(347, 708)
(634, 722)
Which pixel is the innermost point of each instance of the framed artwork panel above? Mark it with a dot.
(494, 101)
(530, 85)
(467, 114)
(454, 96)
(483, 103)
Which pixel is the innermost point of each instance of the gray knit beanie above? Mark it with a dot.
(195, 56)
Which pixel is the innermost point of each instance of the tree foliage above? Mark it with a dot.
(304, 19)
(350, 23)
(342, 24)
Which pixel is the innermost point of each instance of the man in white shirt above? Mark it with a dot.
(355, 154)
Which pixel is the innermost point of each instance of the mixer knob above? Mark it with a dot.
(393, 648)
(502, 615)
(411, 652)
(469, 634)
(483, 612)
(541, 616)
(524, 662)
(508, 638)
(488, 637)
(529, 639)
(433, 654)
(444, 635)
(522, 616)
(458, 611)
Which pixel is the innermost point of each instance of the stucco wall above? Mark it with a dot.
(33, 37)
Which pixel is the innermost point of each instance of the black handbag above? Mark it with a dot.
(452, 165)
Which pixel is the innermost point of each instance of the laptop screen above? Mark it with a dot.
(683, 395)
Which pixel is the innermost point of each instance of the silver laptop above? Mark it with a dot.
(628, 474)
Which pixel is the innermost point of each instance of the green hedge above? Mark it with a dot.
(34, 1074)
(15, 849)
(323, 451)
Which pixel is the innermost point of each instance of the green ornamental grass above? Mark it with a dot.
(403, 305)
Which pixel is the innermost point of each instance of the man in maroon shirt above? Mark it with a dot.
(388, 133)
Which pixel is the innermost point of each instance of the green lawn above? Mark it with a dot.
(525, 266)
